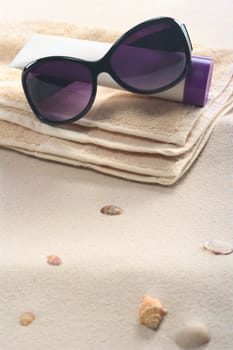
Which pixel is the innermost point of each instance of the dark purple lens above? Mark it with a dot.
(59, 89)
(151, 58)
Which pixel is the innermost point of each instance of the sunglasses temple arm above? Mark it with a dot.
(185, 31)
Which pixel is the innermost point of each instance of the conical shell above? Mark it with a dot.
(151, 312)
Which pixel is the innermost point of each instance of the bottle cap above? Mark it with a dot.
(197, 82)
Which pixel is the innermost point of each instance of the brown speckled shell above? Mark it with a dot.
(111, 210)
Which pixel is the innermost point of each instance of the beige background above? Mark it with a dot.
(209, 22)
(91, 301)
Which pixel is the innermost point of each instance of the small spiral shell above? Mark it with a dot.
(54, 260)
(151, 312)
(27, 318)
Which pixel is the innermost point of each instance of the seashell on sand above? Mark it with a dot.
(218, 247)
(151, 312)
(192, 336)
(27, 318)
(111, 210)
(54, 260)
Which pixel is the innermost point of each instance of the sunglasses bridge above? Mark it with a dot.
(100, 66)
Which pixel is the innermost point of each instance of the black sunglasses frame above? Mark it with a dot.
(103, 65)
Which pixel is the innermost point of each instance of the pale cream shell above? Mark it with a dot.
(192, 335)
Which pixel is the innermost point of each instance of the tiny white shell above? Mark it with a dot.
(218, 247)
(54, 260)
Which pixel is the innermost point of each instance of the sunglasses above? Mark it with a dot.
(150, 58)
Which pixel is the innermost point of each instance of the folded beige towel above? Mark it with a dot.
(135, 137)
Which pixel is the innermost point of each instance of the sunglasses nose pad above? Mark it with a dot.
(105, 79)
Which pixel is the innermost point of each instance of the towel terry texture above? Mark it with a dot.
(135, 137)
